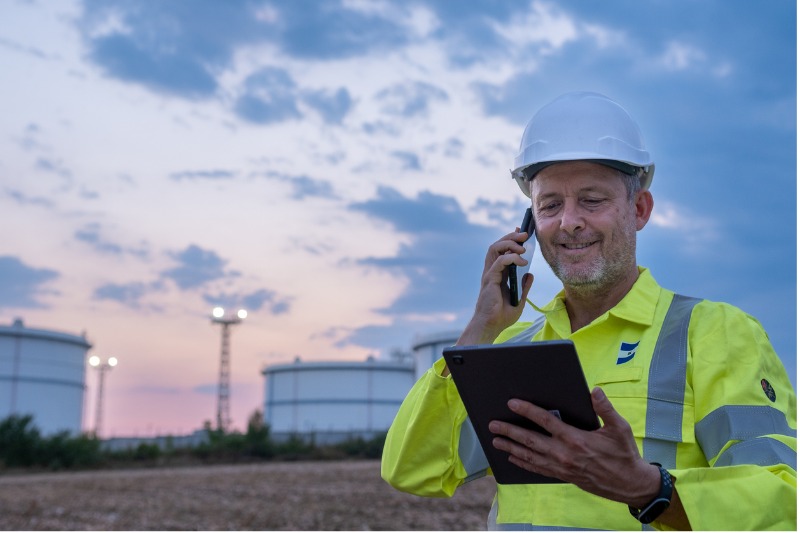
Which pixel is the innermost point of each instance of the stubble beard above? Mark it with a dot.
(602, 273)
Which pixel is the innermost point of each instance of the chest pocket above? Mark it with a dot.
(622, 381)
(627, 392)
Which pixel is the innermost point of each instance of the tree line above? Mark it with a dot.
(23, 447)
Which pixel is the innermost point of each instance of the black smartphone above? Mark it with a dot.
(516, 273)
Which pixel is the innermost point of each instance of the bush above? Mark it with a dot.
(366, 449)
(21, 445)
(63, 451)
(19, 441)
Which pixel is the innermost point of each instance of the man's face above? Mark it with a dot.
(586, 225)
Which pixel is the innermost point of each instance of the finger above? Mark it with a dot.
(514, 448)
(497, 270)
(525, 458)
(526, 438)
(505, 246)
(604, 409)
(543, 418)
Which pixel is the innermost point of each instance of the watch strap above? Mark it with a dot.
(659, 504)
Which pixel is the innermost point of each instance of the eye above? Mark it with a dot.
(550, 207)
(593, 202)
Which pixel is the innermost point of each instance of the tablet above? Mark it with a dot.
(545, 373)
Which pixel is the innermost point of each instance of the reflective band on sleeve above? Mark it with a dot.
(739, 422)
(667, 384)
(471, 453)
(762, 451)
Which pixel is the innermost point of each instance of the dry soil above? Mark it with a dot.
(340, 495)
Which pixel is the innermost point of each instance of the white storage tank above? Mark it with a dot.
(334, 401)
(42, 373)
(428, 349)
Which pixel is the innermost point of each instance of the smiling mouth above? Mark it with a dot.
(577, 246)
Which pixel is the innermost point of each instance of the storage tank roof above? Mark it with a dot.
(18, 329)
(435, 338)
(369, 364)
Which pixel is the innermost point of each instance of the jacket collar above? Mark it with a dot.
(638, 306)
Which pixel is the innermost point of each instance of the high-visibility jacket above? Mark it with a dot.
(699, 383)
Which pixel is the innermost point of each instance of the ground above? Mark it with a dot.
(320, 495)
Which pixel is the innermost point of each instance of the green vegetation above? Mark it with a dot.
(22, 447)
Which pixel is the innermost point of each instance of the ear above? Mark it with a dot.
(644, 208)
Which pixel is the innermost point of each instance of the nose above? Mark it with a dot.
(571, 217)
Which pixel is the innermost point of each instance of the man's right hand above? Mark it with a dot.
(493, 311)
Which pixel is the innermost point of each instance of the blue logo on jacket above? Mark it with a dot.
(626, 352)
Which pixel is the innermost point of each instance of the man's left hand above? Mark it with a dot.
(605, 462)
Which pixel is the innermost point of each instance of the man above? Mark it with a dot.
(698, 414)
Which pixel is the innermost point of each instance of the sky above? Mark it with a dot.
(339, 168)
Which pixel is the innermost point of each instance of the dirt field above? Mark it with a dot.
(346, 495)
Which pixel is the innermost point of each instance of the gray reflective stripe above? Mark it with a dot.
(471, 453)
(528, 333)
(761, 451)
(492, 525)
(491, 521)
(739, 422)
(667, 384)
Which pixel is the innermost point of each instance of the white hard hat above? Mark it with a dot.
(582, 126)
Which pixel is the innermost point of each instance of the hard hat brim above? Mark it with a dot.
(526, 174)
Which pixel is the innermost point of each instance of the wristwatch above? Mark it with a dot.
(653, 510)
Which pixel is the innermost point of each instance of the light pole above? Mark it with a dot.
(223, 388)
(102, 368)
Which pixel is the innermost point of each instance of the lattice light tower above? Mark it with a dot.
(223, 388)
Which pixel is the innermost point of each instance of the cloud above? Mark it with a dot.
(543, 26)
(304, 186)
(379, 127)
(680, 56)
(501, 213)
(30, 139)
(216, 174)
(310, 29)
(125, 57)
(453, 148)
(419, 20)
(197, 267)
(128, 294)
(170, 47)
(254, 301)
(23, 49)
(408, 160)
(208, 389)
(410, 99)
(695, 233)
(441, 261)
(53, 166)
(270, 95)
(333, 106)
(90, 234)
(23, 199)
(21, 285)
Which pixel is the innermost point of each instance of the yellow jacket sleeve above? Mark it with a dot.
(745, 423)
(420, 455)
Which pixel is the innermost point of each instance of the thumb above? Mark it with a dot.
(604, 409)
(527, 283)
